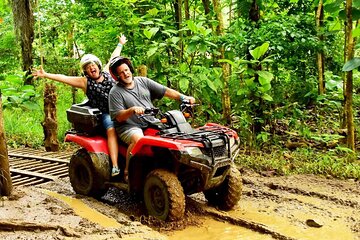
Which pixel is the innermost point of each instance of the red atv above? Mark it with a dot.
(172, 160)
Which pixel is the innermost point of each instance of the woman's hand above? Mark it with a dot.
(122, 39)
(39, 72)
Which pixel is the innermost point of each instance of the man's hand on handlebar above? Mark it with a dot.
(138, 110)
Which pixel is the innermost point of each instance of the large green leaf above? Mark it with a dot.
(151, 51)
(242, 91)
(267, 97)
(191, 25)
(150, 32)
(184, 84)
(258, 52)
(355, 14)
(211, 85)
(265, 77)
(153, 11)
(27, 88)
(15, 79)
(265, 88)
(147, 33)
(183, 67)
(356, 32)
(332, 7)
(249, 81)
(352, 64)
(31, 105)
(174, 40)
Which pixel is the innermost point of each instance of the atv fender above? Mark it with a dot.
(94, 144)
(143, 146)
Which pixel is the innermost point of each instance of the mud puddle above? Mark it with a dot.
(212, 229)
(84, 211)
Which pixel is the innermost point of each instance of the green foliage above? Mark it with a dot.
(273, 83)
(8, 47)
(23, 127)
(352, 64)
(17, 95)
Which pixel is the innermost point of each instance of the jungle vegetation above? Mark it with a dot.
(283, 73)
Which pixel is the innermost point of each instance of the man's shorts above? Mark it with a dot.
(126, 136)
(106, 121)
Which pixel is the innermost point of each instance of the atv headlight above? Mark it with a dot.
(232, 141)
(194, 152)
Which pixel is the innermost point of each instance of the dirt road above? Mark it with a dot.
(294, 207)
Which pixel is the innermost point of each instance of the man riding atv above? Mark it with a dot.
(129, 98)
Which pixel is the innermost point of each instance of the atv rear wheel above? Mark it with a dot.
(83, 176)
(228, 193)
(164, 196)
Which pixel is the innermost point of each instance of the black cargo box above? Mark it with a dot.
(84, 119)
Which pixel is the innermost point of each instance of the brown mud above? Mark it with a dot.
(272, 207)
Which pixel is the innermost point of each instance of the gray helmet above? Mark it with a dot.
(89, 58)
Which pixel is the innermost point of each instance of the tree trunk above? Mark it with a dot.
(254, 16)
(225, 66)
(50, 122)
(206, 4)
(350, 139)
(24, 25)
(186, 9)
(320, 54)
(5, 178)
(178, 17)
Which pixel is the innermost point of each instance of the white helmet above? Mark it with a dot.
(89, 58)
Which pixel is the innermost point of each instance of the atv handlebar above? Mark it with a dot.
(186, 106)
(151, 111)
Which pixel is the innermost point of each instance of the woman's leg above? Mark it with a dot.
(112, 143)
(113, 146)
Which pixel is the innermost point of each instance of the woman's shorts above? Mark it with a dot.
(106, 121)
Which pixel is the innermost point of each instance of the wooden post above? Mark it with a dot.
(50, 122)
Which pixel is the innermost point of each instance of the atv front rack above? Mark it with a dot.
(215, 140)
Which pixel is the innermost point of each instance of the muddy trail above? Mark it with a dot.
(272, 207)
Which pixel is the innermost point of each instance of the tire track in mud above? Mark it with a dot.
(296, 190)
(254, 226)
(268, 188)
(348, 203)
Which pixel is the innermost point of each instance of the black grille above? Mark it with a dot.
(219, 151)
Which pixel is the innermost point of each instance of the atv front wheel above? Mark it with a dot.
(83, 177)
(228, 193)
(164, 196)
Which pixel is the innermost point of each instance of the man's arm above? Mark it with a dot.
(123, 115)
(173, 94)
